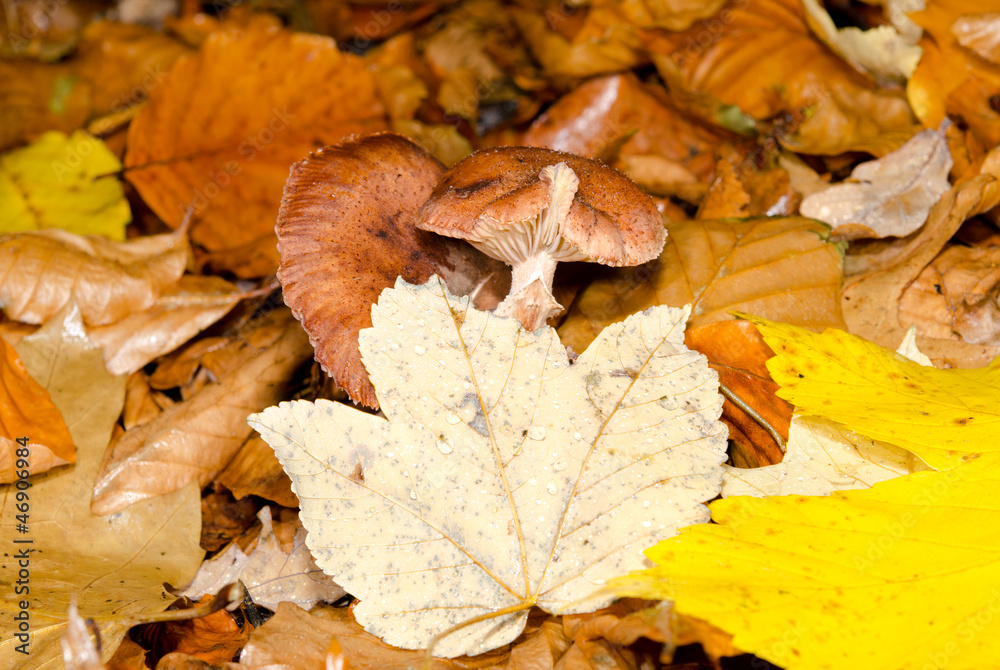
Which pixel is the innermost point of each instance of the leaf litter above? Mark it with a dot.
(739, 88)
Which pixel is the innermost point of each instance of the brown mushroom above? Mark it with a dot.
(345, 233)
(533, 208)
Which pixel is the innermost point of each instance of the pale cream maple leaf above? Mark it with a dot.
(501, 476)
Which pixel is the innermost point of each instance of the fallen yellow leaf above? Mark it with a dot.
(902, 576)
(63, 182)
(943, 416)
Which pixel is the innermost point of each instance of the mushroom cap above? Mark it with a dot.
(610, 221)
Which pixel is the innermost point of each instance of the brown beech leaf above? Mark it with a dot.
(306, 639)
(29, 414)
(193, 440)
(617, 117)
(779, 266)
(738, 353)
(871, 297)
(255, 470)
(957, 296)
(124, 62)
(345, 233)
(43, 270)
(180, 313)
(181, 152)
(764, 59)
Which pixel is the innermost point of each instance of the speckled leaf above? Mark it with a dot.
(501, 475)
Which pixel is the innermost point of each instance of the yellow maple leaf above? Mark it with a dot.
(59, 182)
(942, 416)
(902, 575)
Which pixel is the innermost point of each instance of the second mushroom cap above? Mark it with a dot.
(532, 208)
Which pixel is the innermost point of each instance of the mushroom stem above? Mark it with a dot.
(530, 300)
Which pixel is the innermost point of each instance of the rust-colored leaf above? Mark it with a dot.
(616, 117)
(345, 233)
(183, 153)
(737, 352)
(214, 638)
(780, 266)
(193, 440)
(28, 413)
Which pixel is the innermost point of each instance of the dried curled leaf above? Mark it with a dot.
(871, 298)
(42, 271)
(345, 233)
(891, 196)
(500, 469)
(270, 572)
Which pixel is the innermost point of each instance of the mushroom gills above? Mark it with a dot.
(534, 246)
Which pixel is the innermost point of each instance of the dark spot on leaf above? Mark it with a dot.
(358, 475)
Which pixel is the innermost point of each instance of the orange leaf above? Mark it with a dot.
(737, 352)
(951, 78)
(27, 411)
(231, 167)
